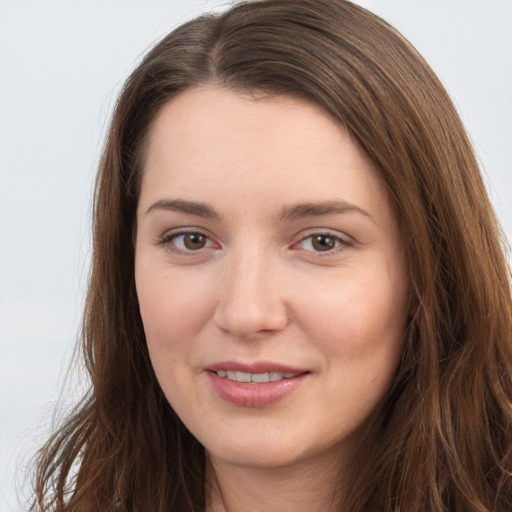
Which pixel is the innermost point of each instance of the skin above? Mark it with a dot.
(258, 286)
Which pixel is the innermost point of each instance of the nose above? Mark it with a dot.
(251, 296)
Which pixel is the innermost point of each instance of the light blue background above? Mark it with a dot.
(62, 64)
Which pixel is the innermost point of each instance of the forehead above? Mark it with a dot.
(210, 140)
(217, 115)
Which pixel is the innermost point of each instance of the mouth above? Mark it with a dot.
(258, 384)
(256, 378)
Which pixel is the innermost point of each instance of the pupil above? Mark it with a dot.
(323, 243)
(194, 241)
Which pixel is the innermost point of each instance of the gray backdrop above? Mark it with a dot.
(61, 66)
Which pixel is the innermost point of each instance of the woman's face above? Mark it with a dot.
(270, 275)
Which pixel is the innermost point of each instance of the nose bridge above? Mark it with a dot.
(251, 301)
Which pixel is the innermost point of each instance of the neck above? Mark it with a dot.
(300, 487)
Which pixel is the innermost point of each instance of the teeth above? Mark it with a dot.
(259, 377)
(255, 377)
(243, 377)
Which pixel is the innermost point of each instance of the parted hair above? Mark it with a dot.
(444, 429)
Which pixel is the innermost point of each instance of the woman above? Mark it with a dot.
(298, 298)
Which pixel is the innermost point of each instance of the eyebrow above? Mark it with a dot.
(182, 206)
(288, 213)
(304, 210)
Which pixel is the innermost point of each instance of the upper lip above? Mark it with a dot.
(256, 367)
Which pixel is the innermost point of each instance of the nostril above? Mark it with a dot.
(248, 321)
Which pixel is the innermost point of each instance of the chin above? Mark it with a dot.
(269, 452)
(254, 457)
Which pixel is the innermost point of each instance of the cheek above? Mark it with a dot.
(171, 306)
(173, 314)
(363, 320)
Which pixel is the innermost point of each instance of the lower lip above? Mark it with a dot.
(244, 394)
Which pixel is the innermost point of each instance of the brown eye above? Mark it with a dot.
(187, 242)
(323, 242)
(194, 241)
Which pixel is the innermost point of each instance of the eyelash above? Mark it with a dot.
(340, 243)
(168, 241)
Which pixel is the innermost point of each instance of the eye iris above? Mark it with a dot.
(194, 241)
(323, 242)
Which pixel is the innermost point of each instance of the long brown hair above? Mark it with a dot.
(445, 427)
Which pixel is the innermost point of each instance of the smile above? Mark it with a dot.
(256, 378)
(257, 384)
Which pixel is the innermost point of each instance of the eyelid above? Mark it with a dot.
(166, 240)
(343, 241)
